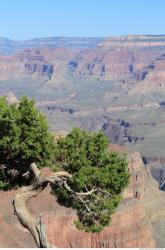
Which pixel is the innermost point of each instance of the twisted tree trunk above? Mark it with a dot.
(35, 225)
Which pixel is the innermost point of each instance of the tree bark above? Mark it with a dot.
(35, 225)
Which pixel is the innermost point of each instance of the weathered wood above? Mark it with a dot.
(35, 225)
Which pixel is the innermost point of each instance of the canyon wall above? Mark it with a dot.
(114, 58)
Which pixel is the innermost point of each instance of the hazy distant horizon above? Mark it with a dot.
(47, 37)
(22, 20)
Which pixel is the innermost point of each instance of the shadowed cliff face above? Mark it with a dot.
(131, 226)
(41, 64)
(118, 131)
(110, 63)
(135, 57)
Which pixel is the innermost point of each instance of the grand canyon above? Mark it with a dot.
(113, 84)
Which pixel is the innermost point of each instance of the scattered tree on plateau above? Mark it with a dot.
(84, 176)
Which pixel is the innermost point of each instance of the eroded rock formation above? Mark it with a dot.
(131, 57)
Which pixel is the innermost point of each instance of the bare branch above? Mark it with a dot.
(86, 206)
(81, 193)
(79, 196)
(26, 173)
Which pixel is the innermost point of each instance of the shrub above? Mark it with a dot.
(97, 178)
(85, 156)
(24, 138)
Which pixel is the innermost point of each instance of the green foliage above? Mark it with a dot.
(24, 137)
(85, 156)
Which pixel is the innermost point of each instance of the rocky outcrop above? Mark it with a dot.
(154, 160)
(43, 64)
(126, 230)
(134, 57)
(10, 97)
(119, 132)
(12, 234)
(139, 221)
(156, 166)
(117, 58)
(104, 64)
(141, 183)
(39, 68)
(130, 227)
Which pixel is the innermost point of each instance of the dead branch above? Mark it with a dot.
(81, 193)
(78, 195)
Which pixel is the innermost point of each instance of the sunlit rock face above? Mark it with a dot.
(121, 58)
(114, 58)
(41, 64)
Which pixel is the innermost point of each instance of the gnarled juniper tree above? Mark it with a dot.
(24, 138)
(86, 176)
